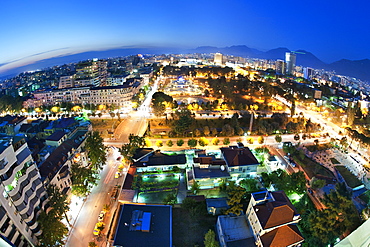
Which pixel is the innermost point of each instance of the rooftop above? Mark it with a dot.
(282, 236)
(210, 172)
(236, 231)
(275, 210)
(155, 229)
(235, 156)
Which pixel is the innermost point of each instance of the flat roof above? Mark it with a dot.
(160, 228)
(235, 228)
(210, 172)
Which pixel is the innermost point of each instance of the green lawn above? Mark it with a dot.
(312, 168)
(154, 197)
(212, 193)
(351, 180)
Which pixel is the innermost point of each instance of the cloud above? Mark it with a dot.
(30, 59)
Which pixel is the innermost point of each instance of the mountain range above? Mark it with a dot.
(354, 68)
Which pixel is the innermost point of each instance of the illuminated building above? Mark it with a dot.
(280, 67)
(23, 193)
(290, 59)
(218, 59)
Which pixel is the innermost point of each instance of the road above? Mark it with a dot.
(82, 232)
(136, 123)
(83, 226)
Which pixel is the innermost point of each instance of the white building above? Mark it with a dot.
(23, 193)
(290, 59)
(272, 219)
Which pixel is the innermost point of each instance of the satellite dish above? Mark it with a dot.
(222, 168)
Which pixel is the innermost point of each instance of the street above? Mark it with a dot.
(82, 232)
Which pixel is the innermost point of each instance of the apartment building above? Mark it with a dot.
(119, 95)
(23, 193)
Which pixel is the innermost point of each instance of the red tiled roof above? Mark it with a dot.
(282, 237)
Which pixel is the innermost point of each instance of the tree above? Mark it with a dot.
(192, 142)
(188, 203)
(249, 184)
(158, 109)
(53, 230)
(250, 140)
(210, 239)
(206, 131)
(260, 139)
(215, 141)
(278, 138)
(159, 143)
(170, 199)
(180, 142)
(226, 141)
(227, 130)
(129, 149)
(185, 120)
(169, 143)
(83, 179)
(195, 188)
(95, 150)
(203, 141)
(235, 195)
(317, 183)
(296, 137)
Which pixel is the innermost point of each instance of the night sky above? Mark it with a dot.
(34, 30)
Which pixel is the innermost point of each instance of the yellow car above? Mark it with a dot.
(96, 231)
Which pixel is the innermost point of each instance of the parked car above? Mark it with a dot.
(101, 216)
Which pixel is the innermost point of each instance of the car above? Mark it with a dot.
(117, 175)
(96, 231)
(101, 216)
(119, 158)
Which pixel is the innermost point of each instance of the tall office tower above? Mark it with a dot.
(280, 67)
(290, 59)
(218, 58)
(308, 73)
(23, 193)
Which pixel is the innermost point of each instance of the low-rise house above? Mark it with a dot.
(240, 161)
(146, 159)
(272, 219)
(10, 125)
(56, 139)
(207, 171)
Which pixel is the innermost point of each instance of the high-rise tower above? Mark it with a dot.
(290, 59)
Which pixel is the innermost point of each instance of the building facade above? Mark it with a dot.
(290, 59)
(23, 193)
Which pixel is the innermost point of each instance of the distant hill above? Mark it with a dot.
(357, 68)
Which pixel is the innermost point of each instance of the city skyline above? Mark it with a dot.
(37, 31)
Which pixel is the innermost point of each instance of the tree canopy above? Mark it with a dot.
(96, 150)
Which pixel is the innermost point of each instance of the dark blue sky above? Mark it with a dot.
(39, 29)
